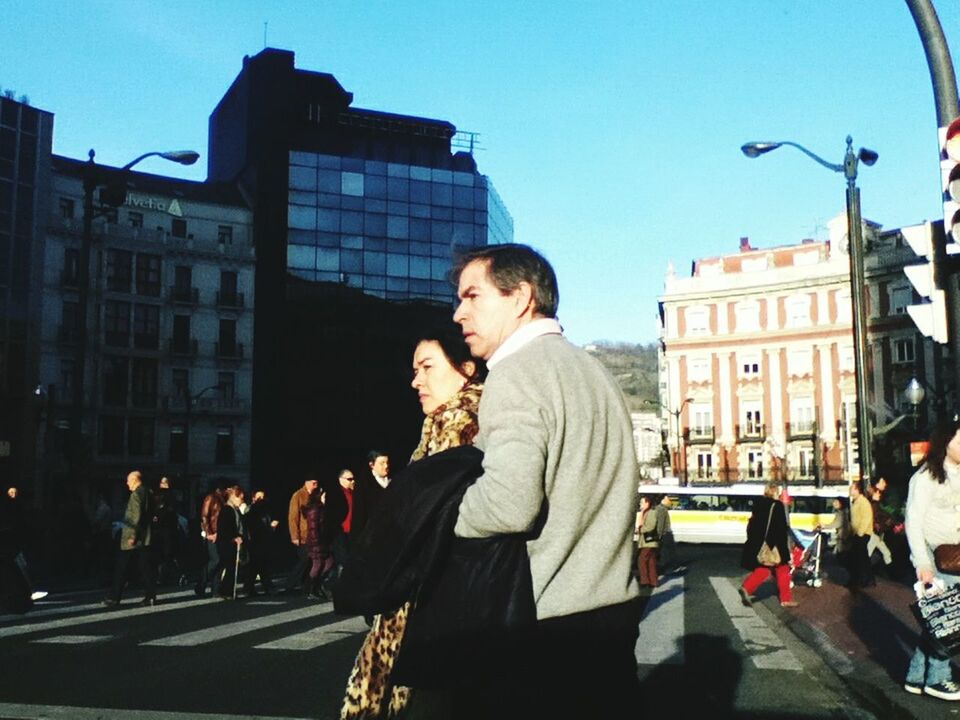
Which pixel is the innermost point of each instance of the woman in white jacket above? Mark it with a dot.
(933, 504)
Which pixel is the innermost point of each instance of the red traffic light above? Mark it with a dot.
(951, 145)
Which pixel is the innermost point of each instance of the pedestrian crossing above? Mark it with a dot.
(663, 628)
(90, 624)
(660, 642)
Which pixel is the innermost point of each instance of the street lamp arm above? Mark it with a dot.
(184, 157)
(205, 390)
(756, 149)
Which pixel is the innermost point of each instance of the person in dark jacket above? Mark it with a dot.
(166, 533)
(261, 528)
(447, 381)
(135, 543)
(369, 488)
(767, 524)
(231, 536)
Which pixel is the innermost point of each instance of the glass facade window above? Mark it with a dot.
(390, 229)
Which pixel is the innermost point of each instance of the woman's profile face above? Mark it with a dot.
(953, 449)
(435, 378)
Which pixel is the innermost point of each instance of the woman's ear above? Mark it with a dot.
(468, 369)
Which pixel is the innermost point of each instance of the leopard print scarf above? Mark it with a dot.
(370, 692)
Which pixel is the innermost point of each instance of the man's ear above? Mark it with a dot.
(524, 298)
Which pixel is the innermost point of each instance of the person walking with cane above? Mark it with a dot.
(230, 538)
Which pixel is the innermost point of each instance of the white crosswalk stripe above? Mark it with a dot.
(231, 630)
(79, 616)
(766, 650)
(73, 639)
(318, 637)
(73, 620)
(662, 627)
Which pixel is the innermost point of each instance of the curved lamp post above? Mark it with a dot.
(848, 168)
(91, 181)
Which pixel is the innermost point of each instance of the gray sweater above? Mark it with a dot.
(558, 452)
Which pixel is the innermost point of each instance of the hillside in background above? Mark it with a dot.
(635, 368)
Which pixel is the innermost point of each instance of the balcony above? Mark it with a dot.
(144, 401)
(68, 335)
(207, 405)
(184, 295)
(146, 341)
(703, 435)
(751, 432)
(229, 350)
(68, 279)
(232, 300)
(801, 431)
(116, 338)
(183, 348)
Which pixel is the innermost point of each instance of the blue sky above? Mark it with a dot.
(610, 129)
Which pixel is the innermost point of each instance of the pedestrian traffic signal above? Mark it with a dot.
(930, 316)
(950, 174)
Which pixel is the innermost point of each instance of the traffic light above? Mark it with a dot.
(927, 241)
(950, 175)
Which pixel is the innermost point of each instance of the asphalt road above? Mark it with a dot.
(281, 657)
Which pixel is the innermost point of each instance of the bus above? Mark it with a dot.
(720, 514)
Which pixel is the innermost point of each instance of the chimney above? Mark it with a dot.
(745, 244)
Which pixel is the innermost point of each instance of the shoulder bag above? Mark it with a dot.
(769, 556)
(947, 558)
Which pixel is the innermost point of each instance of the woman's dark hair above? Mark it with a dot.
(449, 336)
(940, 437)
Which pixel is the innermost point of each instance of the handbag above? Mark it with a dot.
(650, 536)
(939, 617)
(947, 558)
(768, 556)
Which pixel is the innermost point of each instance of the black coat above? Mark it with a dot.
(757, 526)
(473, 597)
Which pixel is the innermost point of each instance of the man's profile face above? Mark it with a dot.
(347, 481)
(381, 466)
(487, 316)
(311, 485)
(12, 493)
(133, 481)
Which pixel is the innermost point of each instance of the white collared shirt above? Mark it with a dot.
(381, 481)
(522, 335)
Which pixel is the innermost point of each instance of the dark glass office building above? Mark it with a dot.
(25, 146)
(357, 217)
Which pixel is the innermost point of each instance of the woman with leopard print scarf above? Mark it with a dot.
(447, 380)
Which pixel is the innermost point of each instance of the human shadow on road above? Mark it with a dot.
(698, 680)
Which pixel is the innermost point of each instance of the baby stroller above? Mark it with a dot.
(805, 557)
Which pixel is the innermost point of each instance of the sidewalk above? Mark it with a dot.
(867, 637)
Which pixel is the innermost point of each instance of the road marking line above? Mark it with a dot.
(114, 614)
(60, 712)
(42, 609)
(230, 630)
(73, 639)
(766, 649)
(662, 626)
(317, 637)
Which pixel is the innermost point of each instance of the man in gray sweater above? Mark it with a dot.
(559, 466)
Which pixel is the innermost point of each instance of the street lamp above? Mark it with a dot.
(849, 166)
(680, 450)
(914, 394)
(115, 197)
